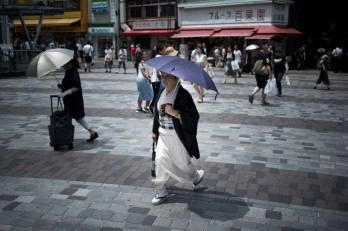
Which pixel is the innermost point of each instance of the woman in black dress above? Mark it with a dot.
(71, 92)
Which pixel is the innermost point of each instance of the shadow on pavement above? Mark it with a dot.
(217, 206)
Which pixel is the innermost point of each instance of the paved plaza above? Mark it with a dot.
(283, 167)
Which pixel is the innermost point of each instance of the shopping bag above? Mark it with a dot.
(270, 88)
(235, 65)
(287, 80)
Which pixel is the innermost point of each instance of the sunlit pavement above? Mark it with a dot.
(281, 167)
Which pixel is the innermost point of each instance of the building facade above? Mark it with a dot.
(216, 23)
(148, 22)
(103, 18)
(69, 26)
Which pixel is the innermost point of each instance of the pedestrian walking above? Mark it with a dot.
(238, 58)
(200, 59)
(79, 46)
(337, 55)
(88, 53)
(108, 58)
(157, 51)
(175, 131)
(323, 76)
(261, 79)
(145, 92)
(132, 52)
(217, 57)
(247, 68)
(280, 68)
(71, 92)
(229, 58)
(301, 57)
(121, 59)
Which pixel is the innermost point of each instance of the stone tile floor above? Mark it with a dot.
(282, 167)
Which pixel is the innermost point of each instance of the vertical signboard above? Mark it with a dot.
(100, 6)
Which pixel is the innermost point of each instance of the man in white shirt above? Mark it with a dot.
(337, 54)
(88, 52)
(79, 49)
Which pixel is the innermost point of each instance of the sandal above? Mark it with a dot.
(93, 137)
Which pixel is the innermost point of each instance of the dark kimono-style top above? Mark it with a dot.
(73, 103)
(186, 128)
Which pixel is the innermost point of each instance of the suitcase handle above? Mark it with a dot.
(59, 103)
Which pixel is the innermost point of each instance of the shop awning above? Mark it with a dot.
(234, 32)
(47, 22)
(248, 31)
(147, 32)
(194, 32)
(269, 31)
(260, 36)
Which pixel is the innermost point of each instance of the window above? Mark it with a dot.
(135, 11)
(151, 8)
(167, 10)
(151, 11)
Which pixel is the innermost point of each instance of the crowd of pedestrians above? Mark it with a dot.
(175, 114)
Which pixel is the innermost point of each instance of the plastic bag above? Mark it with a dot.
(287, 80)
(235, 65)
(270, 88)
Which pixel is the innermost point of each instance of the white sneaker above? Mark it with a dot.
(161, 196)
(159, 199)
(198, 180)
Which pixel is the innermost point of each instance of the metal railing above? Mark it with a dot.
(15, 62)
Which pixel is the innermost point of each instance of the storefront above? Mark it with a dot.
(222, 23)
(100, 37)
(41, 25)
(149, 32)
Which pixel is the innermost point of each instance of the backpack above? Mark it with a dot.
(259, 68)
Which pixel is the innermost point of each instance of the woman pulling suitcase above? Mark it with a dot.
(72, 97)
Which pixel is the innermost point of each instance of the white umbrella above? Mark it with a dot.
(252, 47)
(48, 61)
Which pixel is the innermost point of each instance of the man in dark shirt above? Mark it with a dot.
(261, 80)
(301, 57)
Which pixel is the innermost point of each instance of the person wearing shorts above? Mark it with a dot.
(261, 80)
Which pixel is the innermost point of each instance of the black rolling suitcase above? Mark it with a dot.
(61, 129)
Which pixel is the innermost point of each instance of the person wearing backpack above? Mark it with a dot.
(262, 70)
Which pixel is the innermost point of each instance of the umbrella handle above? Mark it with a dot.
(216, 95)
(56, 78)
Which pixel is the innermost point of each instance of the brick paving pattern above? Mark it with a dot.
(282, 167)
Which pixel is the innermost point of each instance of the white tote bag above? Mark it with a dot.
(287, 80)
(235, 65)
